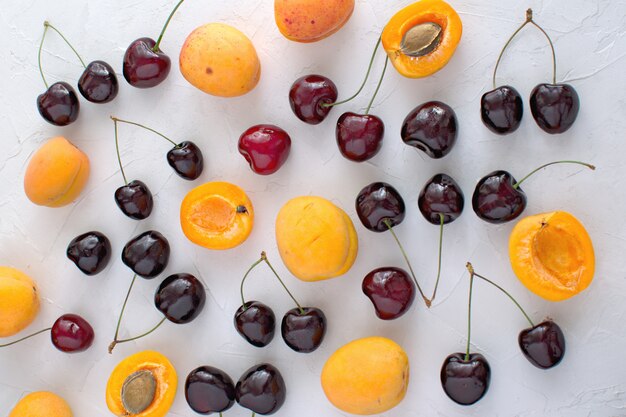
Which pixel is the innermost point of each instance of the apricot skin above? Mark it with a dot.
(56, 173)
(41, 404)
(19, 301)
(311, 20)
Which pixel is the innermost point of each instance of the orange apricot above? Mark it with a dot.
(56, 173)
(421, 38)
(552, 255)
(217, 215)
(142, 385)
(19, 301)
(41, 404)
(311, 20)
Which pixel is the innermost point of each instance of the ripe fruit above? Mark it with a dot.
(147, 254)
(501, 109)
(390, 290)
(180, 297)
(554, 107)
(303, 328)
(59, 105)
(19, 301)
(359, 136)
(261, 389)
(134, 200)
(432, 128)
(98, 83)
(311, 20)
(309, 97)
(265, 147)
(209, 390)
(90, 252)
(41, 404)
(256, 323)
(465, 377)
(543, 344)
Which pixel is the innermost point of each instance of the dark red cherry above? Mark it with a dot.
(143, 67)
(90, 252)
(465, 381)
(432, 128)
(98, 83)
(265, 147)
(441, 195)
(180, 298)
(303, 331)
(147, 254)
(256, 323)
(554, 107)
(391, 290)
(496, 200)
(543, 345)
(135, 200)
(359, 136)
(501, 110)
(59, 104)
(307, 96)
(186, 159)
(378, 203)
(71, 333)
(209, 390)
(261, 389)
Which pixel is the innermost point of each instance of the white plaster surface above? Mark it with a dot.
(590, 38)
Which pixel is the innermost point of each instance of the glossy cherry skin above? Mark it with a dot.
(180, 298)
(59, 104)
(265, 147)
(135, 200)
(98, 83)
(307, 96)
(143, 67)
(303, 331)
(554, 107)
(256, 323)
(186, 159)
(432, 128)
(390, 290)
(495, 200)
(543, 345)
(359, 136)
(501, 110)
(261, 389)
(465, 382)
(90, 252)
(71, 333)
(378, 203)
(147, 254)
(209, 390)
(441, 195)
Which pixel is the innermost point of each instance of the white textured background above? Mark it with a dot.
(590, 38)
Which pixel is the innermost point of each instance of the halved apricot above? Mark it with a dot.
(421, 38)
(217, 215)
(552, 254)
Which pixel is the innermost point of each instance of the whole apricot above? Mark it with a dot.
(366, 376)
(56, 173)
(19, 301)
(311, 20)
(220, 60)
(316, 239)
(41, 404)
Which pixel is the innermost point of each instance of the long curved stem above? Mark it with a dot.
(441, 218)
(47, 24)
(119, 319)
(155, 48)
(529, 18)
(117, 149)
(144, 127)
(469, 311)
(551, 48)
(243, 300)
(130, 339)
(264, 257)
(45, 30)
(26, 337)
(380, 81)
(518, 183)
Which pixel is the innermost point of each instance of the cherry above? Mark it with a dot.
(209, 390)
(256, 323)
(432, 128)
(98, 82)
(378, 204)
(180, 298)
(134, 200)
(90, 252)
(359, 136)
(543, 344)
(465, 378)
(501, 109)
(554, 107)
(308, 96)
(261, 389)
(265, 147)
(390, 290)
(59, 104)
(147, 254)
(303, 328)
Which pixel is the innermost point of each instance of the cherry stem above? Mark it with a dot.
(264, 258)
(243, 300)
(119, 319)
(367, 74)
(155, 48)
(144, 127)
(26, 337)
(406, 258)
(117, 149)
(48, 24)
(504, 291)
(380, 81)
(518, 183)
(530, 12)
(130, 339)
(45, 30)
(469, 311)
(441, 218)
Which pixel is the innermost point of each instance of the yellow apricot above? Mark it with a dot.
(56, 173)
(19, 301)
(366, 376)
(311, 20)
(316, 239)
(41, 404)
(220, 60)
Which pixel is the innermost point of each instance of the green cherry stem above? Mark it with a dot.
(26, 337)
(264, 258)
(380, 81)
(119, 319)
(117, 149)
(143, 334)
(243, 299)
(518, 183)
(155, 48)
(116, 119)
(45, 30)
(48, 24)
(441, 218)
(469, 311)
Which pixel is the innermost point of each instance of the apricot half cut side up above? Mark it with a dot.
(552, 255)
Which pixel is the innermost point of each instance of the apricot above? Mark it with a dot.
(316, 239)
(142, 385)
(552, 255)
(56, 173)
(311, 20)
(220, 60)
(217, 215)
(421, 38)
(19, 301)
(41, 404)
(366, 376)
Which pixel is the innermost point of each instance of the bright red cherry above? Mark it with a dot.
(265, 147)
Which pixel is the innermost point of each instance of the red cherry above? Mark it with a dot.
(359, 136)
(265, 147)
(71, 333)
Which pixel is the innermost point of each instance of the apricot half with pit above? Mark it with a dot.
(311, 20)
(19, 301)
(41, 404)
(552, 255)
